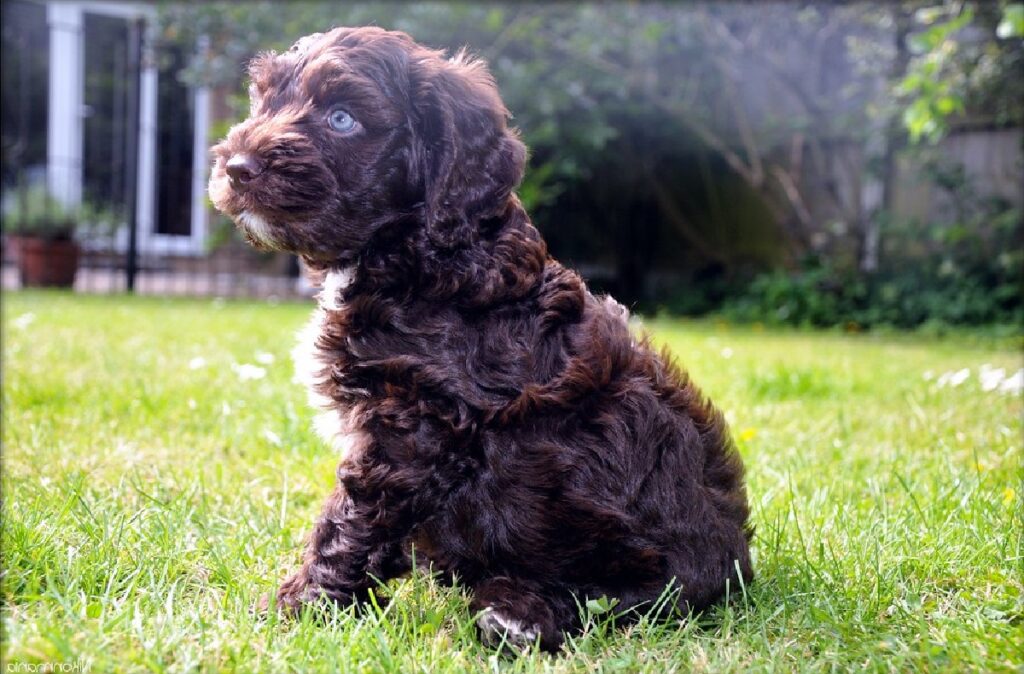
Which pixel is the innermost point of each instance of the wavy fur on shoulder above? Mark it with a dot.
(493, 413)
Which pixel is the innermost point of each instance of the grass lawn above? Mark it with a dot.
(155, 485)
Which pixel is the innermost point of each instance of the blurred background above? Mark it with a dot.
(785, 162)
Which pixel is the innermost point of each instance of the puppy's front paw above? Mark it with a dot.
(293, 594)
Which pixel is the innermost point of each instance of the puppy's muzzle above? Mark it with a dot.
(242, 169)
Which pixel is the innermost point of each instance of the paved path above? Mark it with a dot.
(179, 283)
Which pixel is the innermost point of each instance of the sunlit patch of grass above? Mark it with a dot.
(154, 487)
(781, 382)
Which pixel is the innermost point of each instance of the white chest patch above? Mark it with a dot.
(335, 282)
(333, 423)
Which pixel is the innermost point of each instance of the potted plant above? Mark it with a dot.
(41, 231)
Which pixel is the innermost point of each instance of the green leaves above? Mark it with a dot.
(930, 86)
(1012, 24)
(601, 605)
(940, 33)
(951, 75)
(926, 115)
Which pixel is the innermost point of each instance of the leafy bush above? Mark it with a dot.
(941, 294)
(966, 270)
(36, 213)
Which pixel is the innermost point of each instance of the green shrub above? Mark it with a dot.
(968, 270)
(36, 213)
(942, 294)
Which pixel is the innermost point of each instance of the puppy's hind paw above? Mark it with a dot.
(496, 629)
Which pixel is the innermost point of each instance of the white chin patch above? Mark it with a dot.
(257, 227)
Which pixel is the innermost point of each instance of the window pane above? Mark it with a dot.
(24, 105)
(174, 144)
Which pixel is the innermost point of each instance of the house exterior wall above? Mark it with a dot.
(65, 144)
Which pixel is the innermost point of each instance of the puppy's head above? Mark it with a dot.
(355, 129)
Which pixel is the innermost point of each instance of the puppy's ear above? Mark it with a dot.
(469, 160)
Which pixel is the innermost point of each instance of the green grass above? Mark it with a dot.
(147, 504)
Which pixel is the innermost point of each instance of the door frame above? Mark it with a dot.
(66, 122)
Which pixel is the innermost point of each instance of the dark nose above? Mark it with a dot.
(242, 168)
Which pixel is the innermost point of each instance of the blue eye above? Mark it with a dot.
(341, 121)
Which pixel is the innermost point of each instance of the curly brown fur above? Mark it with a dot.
(494, 414)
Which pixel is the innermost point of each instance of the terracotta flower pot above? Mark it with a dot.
(43, 262)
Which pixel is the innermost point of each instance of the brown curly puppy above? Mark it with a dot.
(494, 415)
